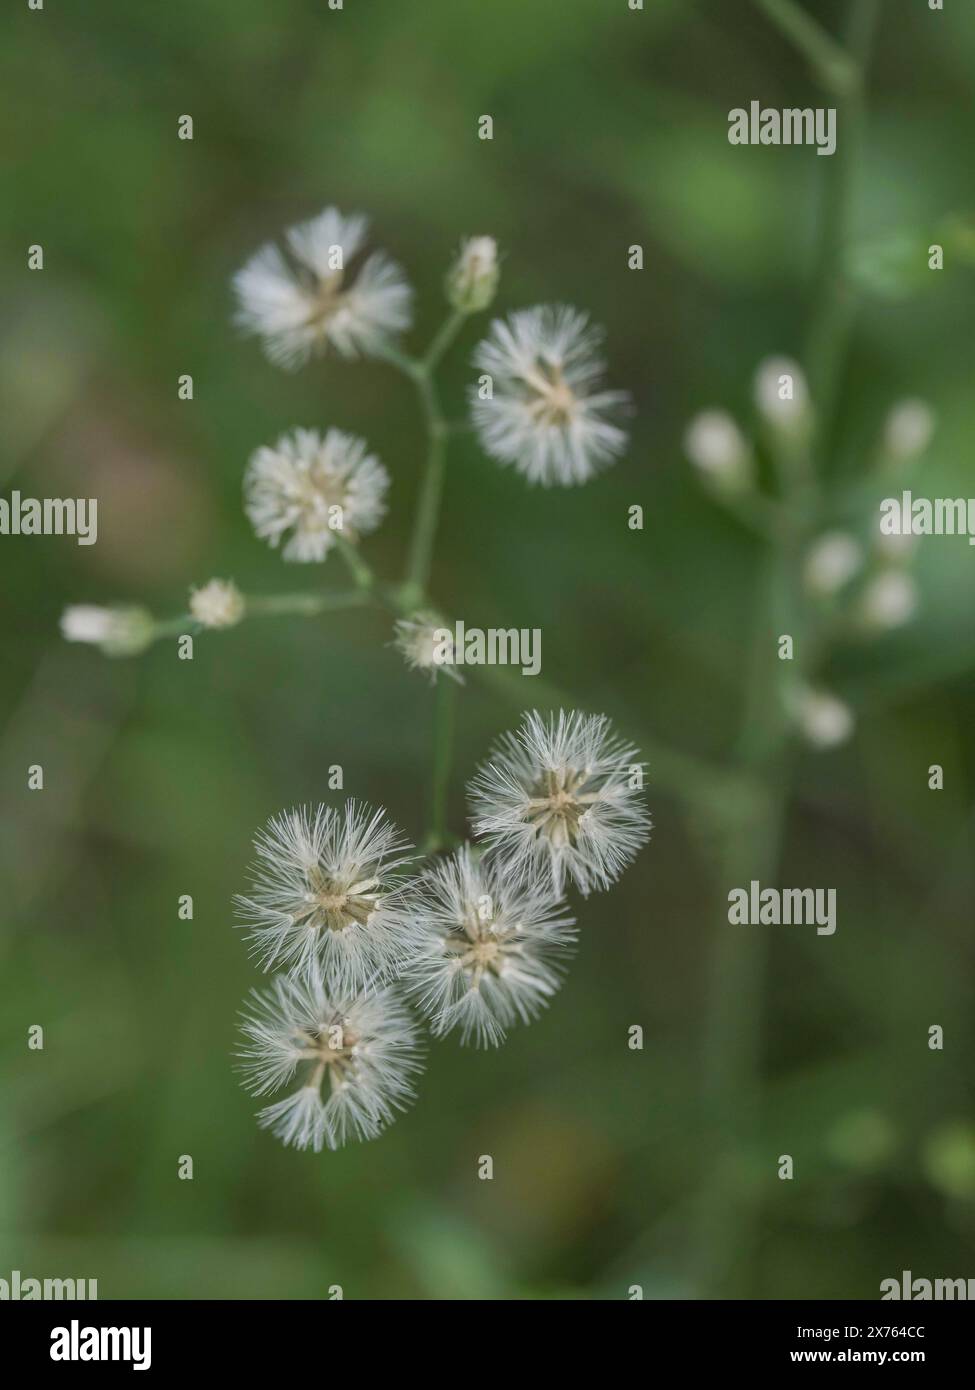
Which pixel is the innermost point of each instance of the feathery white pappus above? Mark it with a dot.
(322, 293)
(219, 603)
(426, 644)
(329, 894)
(313, 489)
(496, 950)
(119, 631)
(562, 794)
(547, 415)
(353, 1060)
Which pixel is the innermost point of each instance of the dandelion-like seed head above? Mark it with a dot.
(426, 644)
(119, 631)
(473, 278)
(563, 795)
(322, 292)
(352, 1060)
(496, 949)
(547, 414)
(329, 894)
(218, 603)
(310, 489)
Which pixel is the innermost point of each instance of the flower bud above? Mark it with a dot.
(717, 448)
(908, 430)
(218, 604)
(831, 562)
(473, 278)
(781, 393)
(889, 601)
(115, 631)
(823, 719)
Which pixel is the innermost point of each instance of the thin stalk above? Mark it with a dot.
(308, 605)
(357, 567)
(443, 739)
(834, 297)
(427, 516)
(442, 340)
(834, 67)
(732, 1046)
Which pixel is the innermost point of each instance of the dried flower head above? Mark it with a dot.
(547, 414)
(472, 280)
(312, 490)
(323, 292)
(562, 796)
(116, 631)
(218, 604)
(355, 1060)
(496, 949)
(329, 894)
(426, 645)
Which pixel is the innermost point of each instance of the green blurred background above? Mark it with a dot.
(613, 1167)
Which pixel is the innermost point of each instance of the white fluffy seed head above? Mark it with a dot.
(307, 489)
(822, 718)
(350, 1061)
(115, 631)
(329, 895)
(496, 947)
(426, 644)
(322, 292)
(218, 603)
(716, 447)
(544, 411)
(831, 562)
(562, 796)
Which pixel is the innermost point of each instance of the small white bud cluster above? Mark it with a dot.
(217, 604)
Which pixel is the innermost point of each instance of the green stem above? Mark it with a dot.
(833, 295)
(361, 573)
(442, 340)
(427, 514)
(834, 67)
(443, 740)
(308, 605)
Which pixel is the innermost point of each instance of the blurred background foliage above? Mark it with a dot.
(610, 130)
